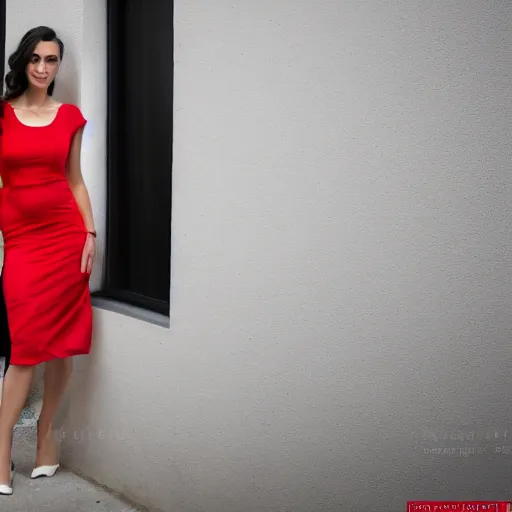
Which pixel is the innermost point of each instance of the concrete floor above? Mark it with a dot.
(64, 492)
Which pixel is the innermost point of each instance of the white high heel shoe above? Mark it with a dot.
(44, 471)
(6, 490)
(47, 471)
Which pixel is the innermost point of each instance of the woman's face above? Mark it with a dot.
(43, 65)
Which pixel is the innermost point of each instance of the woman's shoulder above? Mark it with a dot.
(71, 107)
(74, 115)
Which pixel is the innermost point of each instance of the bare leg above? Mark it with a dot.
(16, 388)
(56, 378)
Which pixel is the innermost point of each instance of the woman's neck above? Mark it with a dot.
(33, 99)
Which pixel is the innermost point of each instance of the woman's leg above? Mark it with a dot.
(16, 388)
(56, 378)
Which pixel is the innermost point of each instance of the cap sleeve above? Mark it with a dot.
(77, 120)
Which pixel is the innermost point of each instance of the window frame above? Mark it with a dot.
(116, 232)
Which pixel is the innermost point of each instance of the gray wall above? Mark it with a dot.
(341, 268)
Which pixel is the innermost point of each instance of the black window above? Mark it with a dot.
(140, 98)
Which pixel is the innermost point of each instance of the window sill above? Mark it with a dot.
(122, 308)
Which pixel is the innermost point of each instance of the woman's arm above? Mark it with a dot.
(76, 181)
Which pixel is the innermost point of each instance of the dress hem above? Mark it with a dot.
(45, 359)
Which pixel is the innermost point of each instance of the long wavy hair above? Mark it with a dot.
(16, 81)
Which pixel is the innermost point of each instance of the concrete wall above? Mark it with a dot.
(340, 304)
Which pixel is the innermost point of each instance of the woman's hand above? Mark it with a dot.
(88, 254)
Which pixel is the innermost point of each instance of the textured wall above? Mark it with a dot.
(340, 306)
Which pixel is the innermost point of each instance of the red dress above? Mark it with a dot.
(46, 295)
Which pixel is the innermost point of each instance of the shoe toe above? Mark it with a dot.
(5, 490)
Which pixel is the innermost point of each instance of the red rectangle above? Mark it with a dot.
(459, 506)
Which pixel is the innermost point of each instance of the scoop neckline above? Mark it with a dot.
(42, 126)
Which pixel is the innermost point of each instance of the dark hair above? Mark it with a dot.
(16, 82)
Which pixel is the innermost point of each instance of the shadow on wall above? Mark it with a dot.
(67, 86)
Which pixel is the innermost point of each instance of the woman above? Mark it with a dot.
(49, 236)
